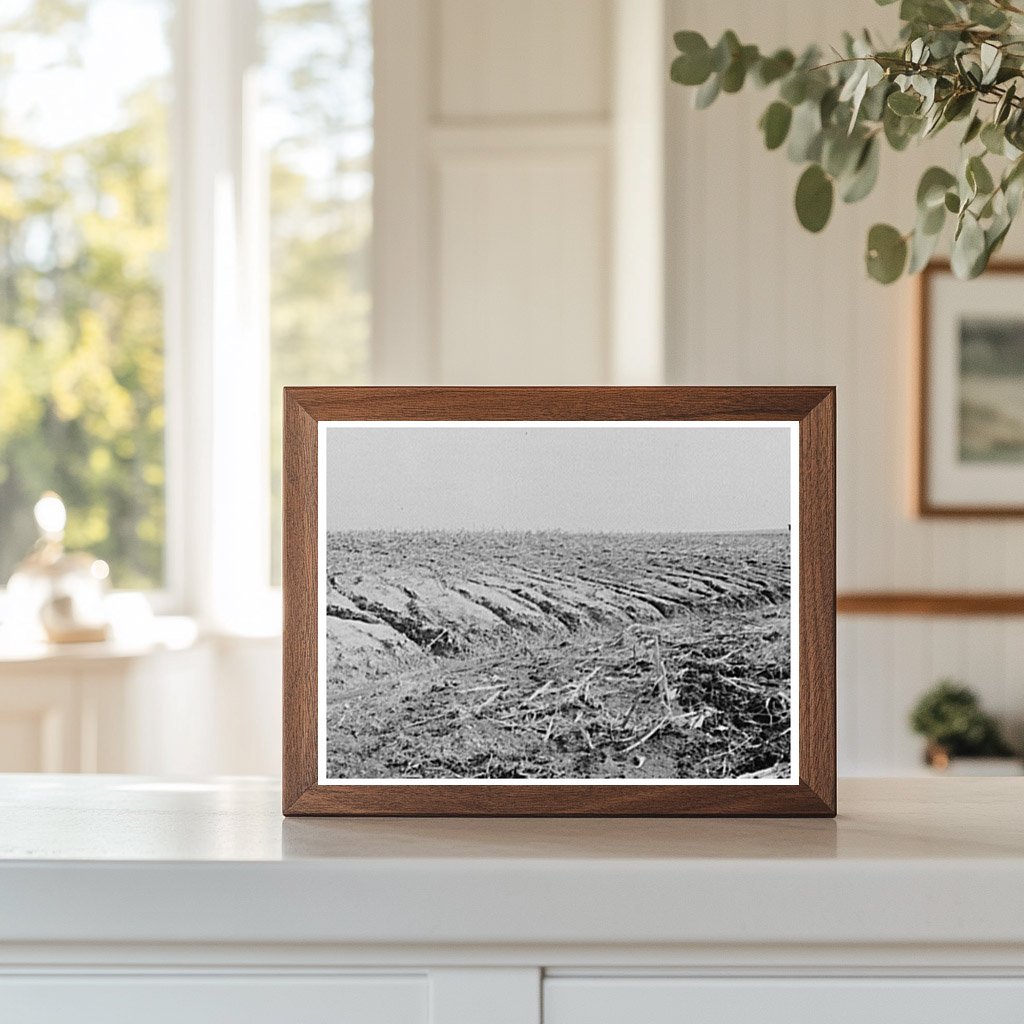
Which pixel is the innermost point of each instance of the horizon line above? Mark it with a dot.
(548, 529)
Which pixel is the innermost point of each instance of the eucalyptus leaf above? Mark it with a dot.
(900, 130)
(904, 103)
(771, 69)
(827, 106)
(805, 133)
(707, 93)
(993, 138)
(987, 15)
(724, 51)
(932, 221)
(1005, 105)
(973, 130)
(865, 174)
(931, 190)
(690, 68)
(968, 248)
(814, 196)
(775, 124)
(735, 74)
(922, 248)
(886, 253)
(840, 152)
(954, 60)
(875, 98)
(978, 176)
(794, 88)
(933, 122)
(991, 60)
(958, 105)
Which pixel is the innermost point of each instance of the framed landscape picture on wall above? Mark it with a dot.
(970, 450)
(509, 601)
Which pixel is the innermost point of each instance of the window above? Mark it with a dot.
(83, 234)
(185, 221)
(317, 119)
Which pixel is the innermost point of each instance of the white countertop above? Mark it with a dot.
(122, 859)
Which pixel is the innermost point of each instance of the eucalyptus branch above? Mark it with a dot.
(955, 61)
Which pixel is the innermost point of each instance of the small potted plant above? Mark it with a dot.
(950, 718)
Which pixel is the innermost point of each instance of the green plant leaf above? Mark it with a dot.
(865, 174)
(922, 247)
(931, 191)
(993, 138)
(805, 133)
(991, 61)
(794, 88)
(973, 130)
(707, 93)
(725, 50)
(958, 106)
(840, 152)
(931, 221)
(735, 74)
(1005, 105)
(968, 255)
(987, 15)
(900, 130)
(814, 195)
(690, 71)
(1013, 187)
(929, 12)
(886, 254)
(873, 107)
(904, 103)
(978, 176)
(952, 202)
(771, 69)
(693, 65)
(775, 124)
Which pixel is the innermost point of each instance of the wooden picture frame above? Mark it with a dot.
(940, 490)
(309, 412)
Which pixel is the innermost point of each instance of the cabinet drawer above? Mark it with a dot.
(782, 1001)
(202, 999)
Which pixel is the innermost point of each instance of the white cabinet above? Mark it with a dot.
(649, 1000)
(216, 1000)
(99, 707)
(173, 704)
(134, 899)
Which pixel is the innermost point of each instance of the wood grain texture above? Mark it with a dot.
(813, 408)
(299, 596)
(923, 503)
(924, 603)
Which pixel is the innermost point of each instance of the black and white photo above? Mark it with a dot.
(571, 601)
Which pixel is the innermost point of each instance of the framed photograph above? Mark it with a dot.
(559, 601)
(970, 451)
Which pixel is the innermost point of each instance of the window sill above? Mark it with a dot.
(160, 633)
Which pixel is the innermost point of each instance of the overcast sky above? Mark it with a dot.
(675, 478)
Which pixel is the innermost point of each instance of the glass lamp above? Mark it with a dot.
(56, 595)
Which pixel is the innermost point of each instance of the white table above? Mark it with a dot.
(125, 898)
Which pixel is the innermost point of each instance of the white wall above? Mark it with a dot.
(754, 299)
(505, 131)
(514, 149)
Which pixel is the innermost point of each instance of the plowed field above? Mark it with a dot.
(552, 655)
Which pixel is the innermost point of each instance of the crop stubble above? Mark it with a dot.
(557, 656)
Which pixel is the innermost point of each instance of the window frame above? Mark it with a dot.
(217, 351)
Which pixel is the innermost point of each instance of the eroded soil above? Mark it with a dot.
(548, 655)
